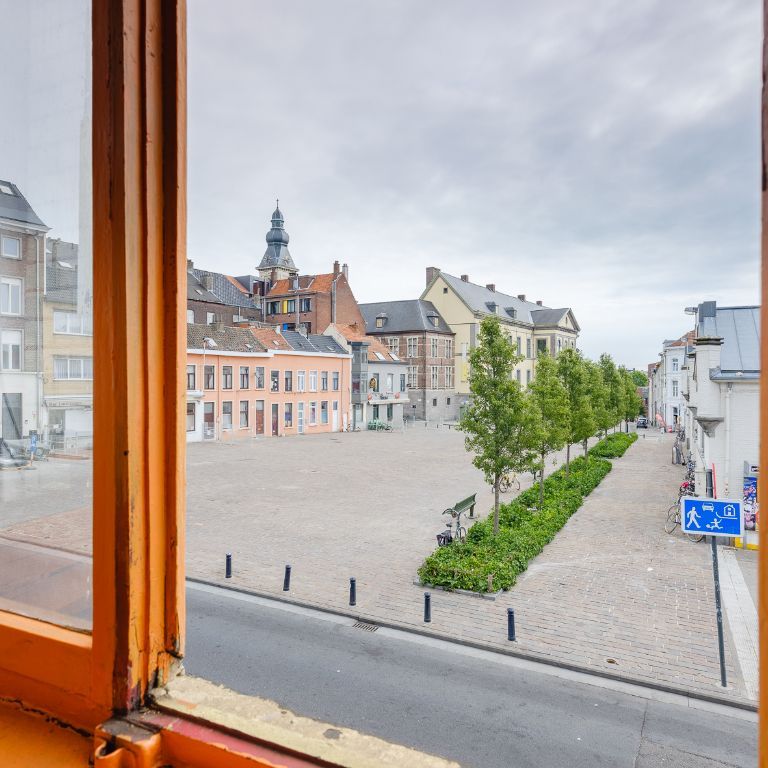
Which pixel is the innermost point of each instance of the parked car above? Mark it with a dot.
(642, 422)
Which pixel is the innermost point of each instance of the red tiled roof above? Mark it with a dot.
(314, 283)
(352, 331)
(377, 346)
(270, 338)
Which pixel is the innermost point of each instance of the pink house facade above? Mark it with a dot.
(251, 383)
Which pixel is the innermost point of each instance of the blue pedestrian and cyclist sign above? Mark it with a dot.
(712, 517)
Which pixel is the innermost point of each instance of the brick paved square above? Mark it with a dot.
(612, 592)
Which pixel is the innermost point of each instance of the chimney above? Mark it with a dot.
(345, 271)
(432, 273)
(207, 282)
(491, 287)
(465, 278)
(540, 302)
(336, 268)
(521, 296)
(302, 329)
(190, 265)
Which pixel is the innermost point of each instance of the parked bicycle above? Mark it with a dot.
(687, 488)
(458, 534)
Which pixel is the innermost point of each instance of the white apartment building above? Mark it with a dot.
(721, 389)
(666, 403)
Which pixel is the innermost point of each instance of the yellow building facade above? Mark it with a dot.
(531, 326)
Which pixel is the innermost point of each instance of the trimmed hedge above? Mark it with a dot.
(523, 530)
(613, 446)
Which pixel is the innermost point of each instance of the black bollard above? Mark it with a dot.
(287, 578)
(427, 607)
(228, 566)
(510, 624)
(353, 591)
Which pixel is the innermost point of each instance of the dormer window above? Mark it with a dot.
(5, 189)
(435, 321)
(381, 320)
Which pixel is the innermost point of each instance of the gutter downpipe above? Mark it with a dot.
(728, 390)
(38, 393)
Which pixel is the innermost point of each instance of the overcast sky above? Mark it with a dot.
(598, 154)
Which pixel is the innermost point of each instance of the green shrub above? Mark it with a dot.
(613, 446)
(524, 532)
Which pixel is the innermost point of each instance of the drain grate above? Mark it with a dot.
(365, 627)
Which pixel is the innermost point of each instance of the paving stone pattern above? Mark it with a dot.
(612, 585)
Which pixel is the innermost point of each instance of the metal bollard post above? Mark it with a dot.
(228, 566)
(511, 624)
(287, 578)
(427, 607)
(353, 591)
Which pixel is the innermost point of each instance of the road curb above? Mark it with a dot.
(525, 655)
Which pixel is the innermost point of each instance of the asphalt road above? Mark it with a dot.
(466, 706)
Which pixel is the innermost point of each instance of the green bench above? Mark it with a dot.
(464, 505)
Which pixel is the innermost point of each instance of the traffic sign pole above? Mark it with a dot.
(720, 643)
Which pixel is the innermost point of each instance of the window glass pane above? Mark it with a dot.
(46, 370)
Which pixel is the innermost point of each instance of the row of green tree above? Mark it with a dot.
(512, 429)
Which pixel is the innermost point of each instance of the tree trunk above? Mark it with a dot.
(568, 460)
(541, 482)
(585, 447)
(496, 505)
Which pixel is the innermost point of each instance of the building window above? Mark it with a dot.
(258, 377)
(674, 365)
(390, 412)
(226, 377)
(559, 345)
(210, 317)
(190, 377)
(10, 350)
(335, 381)
(435, 321)
(464, 350)
(449, 348)
(73, 368)
(413, 376)
(288, 376)
(412, 346)
(449, 377)
(190, 417)
(301, 378)
(313, 413)
(70, 323)
(527, 377)
(517, 375)
(209, 377)
(324, 381)
(447, 400)
(274, 378)
(433, 352)
(519, 346)
(434, 402)
(305, 305)
(226, 414)
(10, 296)
(434, 371)
(541, 346)
(243, 413)
(528, 348)
(289, 306)
(244, 377)
(324, 412)
(674, 388)
(379, 322)
(393, 344)
(10, 247)
(313, 381)
(402, 382)
(190, 315)
(273, 307)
